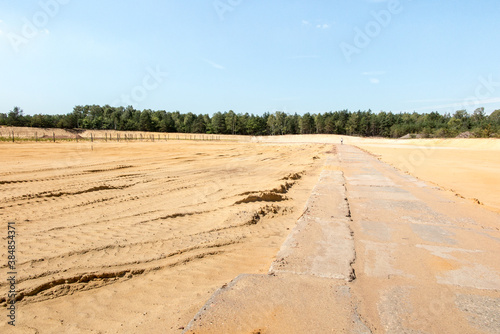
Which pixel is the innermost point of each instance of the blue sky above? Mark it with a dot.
(250, 56)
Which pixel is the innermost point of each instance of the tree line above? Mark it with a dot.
(343, 122)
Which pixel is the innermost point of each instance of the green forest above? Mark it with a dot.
(344, 122)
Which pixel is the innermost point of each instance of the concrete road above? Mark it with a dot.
(376, 251)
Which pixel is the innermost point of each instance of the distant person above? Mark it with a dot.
(341, 141)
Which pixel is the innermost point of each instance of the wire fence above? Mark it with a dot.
(59, 135)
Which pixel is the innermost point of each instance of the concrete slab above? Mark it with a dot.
(381, 231)
(418, 248)
(280, 304)
(380, 259)
(434, 233)
(475, 276)
(321, 244)
(318, 247)
(382, 194)
(305, 290)
(424, 262)
(482, 312)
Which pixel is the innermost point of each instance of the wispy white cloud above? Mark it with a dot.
(214, 65)
(373, 76)
(318, 25)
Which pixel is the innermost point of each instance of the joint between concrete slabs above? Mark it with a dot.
(326, 252)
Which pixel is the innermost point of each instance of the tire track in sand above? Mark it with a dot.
(103, 224)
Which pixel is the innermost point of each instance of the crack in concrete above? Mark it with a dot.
(352, 276)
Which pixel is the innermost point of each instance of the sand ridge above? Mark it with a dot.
(91, 221)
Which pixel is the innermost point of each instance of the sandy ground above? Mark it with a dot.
(377, 251)
(468, 167)
(136, 237)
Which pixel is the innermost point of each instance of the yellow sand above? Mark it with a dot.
(135, 237)
(468, 167)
